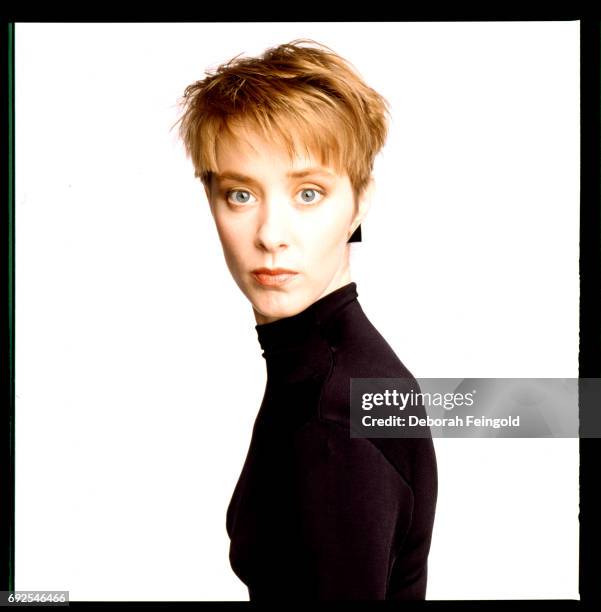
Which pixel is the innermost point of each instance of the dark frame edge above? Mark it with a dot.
(589, 358)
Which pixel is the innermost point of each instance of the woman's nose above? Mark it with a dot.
(274, 224)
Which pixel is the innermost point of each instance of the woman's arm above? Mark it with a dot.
(355, 511)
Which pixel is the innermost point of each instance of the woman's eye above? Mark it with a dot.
(310, 195)
(238, 196)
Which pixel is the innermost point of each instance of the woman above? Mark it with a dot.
(284, 145)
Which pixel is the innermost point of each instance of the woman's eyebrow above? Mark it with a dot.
(307, 171)
(235, 176)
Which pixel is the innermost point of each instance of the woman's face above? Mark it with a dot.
(273, 213)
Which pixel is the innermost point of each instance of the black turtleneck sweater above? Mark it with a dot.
(316, 514)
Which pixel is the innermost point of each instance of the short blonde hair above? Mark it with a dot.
(299, 93)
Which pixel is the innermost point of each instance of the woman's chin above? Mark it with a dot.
(274, 307)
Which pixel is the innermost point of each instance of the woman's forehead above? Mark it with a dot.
(244, 143)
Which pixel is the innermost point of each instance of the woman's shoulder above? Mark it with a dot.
(360, 350)
(322, 446)
(322, 442)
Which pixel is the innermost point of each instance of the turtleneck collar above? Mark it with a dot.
(291, 331)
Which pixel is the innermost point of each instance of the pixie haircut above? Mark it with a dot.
(300, 95)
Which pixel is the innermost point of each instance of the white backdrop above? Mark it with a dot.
(138, 370)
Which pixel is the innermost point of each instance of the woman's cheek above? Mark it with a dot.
(233, 237)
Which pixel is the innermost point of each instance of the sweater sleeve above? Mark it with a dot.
(354, 508)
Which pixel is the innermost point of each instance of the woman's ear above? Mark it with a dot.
(363, 204)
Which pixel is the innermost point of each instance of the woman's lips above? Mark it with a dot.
(273, 278)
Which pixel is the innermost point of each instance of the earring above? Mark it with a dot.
(356, 235)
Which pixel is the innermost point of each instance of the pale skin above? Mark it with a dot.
(267, 218)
